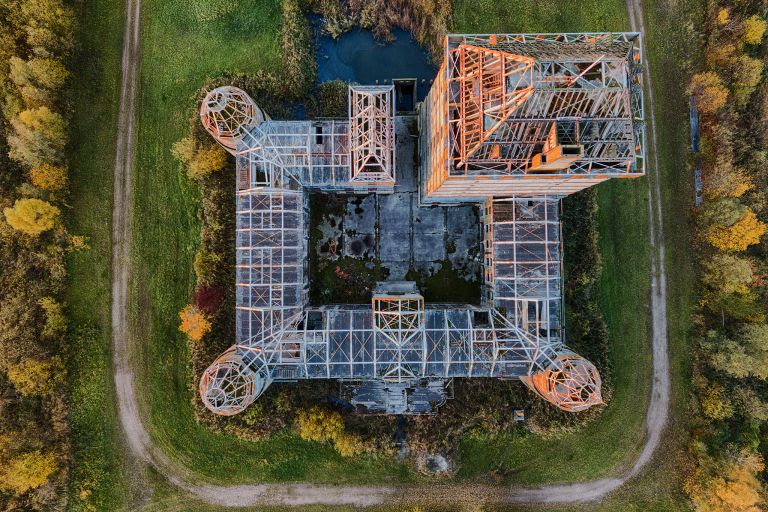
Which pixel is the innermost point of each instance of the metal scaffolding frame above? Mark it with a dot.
(510, 121)
(372, 134)
(543, 108)
(227, 113)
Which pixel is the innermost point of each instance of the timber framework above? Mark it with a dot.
(513, 123)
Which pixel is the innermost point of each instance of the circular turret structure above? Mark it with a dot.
(230, 385)
(228, 113)
(570, 382)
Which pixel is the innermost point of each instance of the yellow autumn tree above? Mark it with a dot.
(729, 487)
(739, 235)
(716, 404)
(194, 323)
(32, 216)
(27, 471)
(724, 180)
(711, 94)
(35, 377)
(51, 178)
(39, 136)
(754, 30)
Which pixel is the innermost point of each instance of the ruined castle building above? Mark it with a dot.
(513, 122)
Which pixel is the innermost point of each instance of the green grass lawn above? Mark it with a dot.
(97, 454)
(184, 43)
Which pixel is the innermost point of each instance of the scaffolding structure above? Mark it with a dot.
(372, 133)
(228, 113)
(514, 123)
(531, 114)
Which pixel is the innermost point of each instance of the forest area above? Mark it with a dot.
(36, 41)
(729, 435)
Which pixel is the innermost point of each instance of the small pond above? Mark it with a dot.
(357, 57)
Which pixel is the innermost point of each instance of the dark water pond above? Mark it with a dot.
(357, 57)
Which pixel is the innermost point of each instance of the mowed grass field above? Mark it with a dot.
(97, 464)
(184, 42)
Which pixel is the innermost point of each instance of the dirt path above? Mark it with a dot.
(138, 439)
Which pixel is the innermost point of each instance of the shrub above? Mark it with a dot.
(184, 150)
(194, 323)
(208, 298)
(51, 178)
(330, 100)
(318, 424)
(206, 161)
(28, 471)
(206, 263)
(348, 445)
(32, 216)
(55, 320)
(35, 377)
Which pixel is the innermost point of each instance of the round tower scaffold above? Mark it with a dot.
(230, 385)
(571, 383)
(227, 113)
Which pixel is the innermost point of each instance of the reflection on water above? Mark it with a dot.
(357, 57)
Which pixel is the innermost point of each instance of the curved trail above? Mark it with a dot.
(123, 345)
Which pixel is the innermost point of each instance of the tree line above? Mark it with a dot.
(36, 41)
(729, 429)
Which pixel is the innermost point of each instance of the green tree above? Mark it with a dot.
(28, 471)
(746, 75)
(32, 216)
(38, 137)
(747, 357)
(725, 274)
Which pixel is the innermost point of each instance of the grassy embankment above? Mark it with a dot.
(97, 453)
(178, 53)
